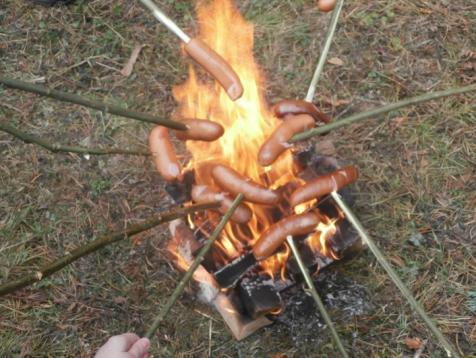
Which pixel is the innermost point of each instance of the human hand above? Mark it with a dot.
(127, 345)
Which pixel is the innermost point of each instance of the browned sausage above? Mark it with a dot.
(235, 183)
(275, 235)
(277, 143)
(203, 194)
(200, 129)
(326, 5)
(164, 155)
(216, 66)
(285, 107)
(324, 185)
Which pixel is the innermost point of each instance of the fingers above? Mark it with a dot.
(140, 348)
(122, 343)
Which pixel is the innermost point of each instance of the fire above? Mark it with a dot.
(248, 122)
(319, 241)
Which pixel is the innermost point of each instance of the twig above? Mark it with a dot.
(99, 243)
(55, 147)
(381, 110)
(327, 45)
(315, 295)
(450, 351)
(198, 260)
(76, 99)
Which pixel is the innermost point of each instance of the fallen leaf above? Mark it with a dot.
(336, 61)
(413, 343)
(119, 300)
(334, 102)
(127, 70)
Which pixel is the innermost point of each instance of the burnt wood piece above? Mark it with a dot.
(259, 296)
(181, 191)
(346, 243)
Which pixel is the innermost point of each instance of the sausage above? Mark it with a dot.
(216, 66)
(326, 5)
(163, 152)
(235, 183)
(275, 235)
(324, 185)
(285, 107)
(203, 194)
(200, 129)
(277, 143)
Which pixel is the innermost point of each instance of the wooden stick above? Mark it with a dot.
(325, 51)
(55, 147)
(101, 106)
(450, 351)
(198, 260)
(99, 243)
(315, 295)
(379, 111)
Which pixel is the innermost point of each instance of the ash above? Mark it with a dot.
(301, 319)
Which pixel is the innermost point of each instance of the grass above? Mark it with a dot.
(417, 169)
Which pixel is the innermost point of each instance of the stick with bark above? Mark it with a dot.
(198, 260)
(100, 243)
(101, 106)
(380, 111)
(56, 147)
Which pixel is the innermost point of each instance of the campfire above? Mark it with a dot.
(242, 147)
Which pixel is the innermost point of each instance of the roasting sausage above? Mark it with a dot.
(163, 153)
(324, 185)
(285, 107)
(200, 129)
(216, 66)
(326, 5)
(277, 143)
(275, 235)
(235, 183)
(203, 194)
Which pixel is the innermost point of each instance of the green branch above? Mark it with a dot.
(55, 147)
(101, 106)
(100, 243)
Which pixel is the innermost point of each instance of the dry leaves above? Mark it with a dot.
(336, 61)
(127, 70)
(413, 343)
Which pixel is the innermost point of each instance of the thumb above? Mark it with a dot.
(140, 348)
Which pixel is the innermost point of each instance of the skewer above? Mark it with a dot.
(450, 351)
(315, 296)
(206, 57)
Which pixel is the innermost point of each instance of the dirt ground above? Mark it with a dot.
(416, 195)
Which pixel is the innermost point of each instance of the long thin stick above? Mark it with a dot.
(101, 106)
(381, 110)
(55, 147)
(450, 351)
(198, 260)
(99, 243)
(327, 45)
(315, 295)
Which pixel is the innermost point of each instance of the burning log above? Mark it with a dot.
(259, 296)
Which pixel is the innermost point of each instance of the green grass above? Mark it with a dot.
(417, 171)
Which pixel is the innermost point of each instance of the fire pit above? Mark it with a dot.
(242, 147)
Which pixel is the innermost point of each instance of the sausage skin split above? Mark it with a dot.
(163, 153)
(275, 235)
(277, 143)
(203, 194)
(235, 183)
(286, 107)
(324, 185)
(200, 129)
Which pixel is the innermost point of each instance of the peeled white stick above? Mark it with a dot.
(206, 57)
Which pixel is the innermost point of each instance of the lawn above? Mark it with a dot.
(416, 195)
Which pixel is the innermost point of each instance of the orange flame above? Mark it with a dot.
(248, 122)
